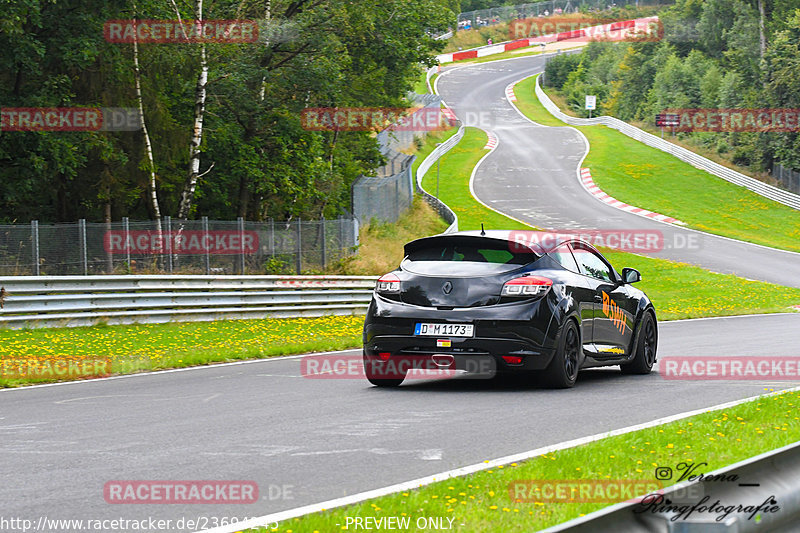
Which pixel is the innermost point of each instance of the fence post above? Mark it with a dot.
(396, 198)
(82, 239)
(127, 228)
(271, 237)
(168, 223)
(204, 222)
(240, 221)
(35, 246)
(299, 247)
(322, 246)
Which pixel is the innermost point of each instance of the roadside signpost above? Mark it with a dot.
(591, 103)
(668, 120)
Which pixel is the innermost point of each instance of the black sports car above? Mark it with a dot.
(494, 302)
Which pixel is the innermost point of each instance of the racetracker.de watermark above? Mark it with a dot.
(584, 29)
(186, 242)
(731, 368)
(640, 241)
(177, 31)
(69, 119)
(54, 368)
(434, 366)
(731, 120)
(180, 492)
(581, 490)
(374, 119)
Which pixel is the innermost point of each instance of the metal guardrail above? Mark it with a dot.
(57, 301)
(768, 191)
(444, 211)
(774, 475)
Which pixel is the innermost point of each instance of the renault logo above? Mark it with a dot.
(447, 288)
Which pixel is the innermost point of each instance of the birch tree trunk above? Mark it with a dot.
(197, 131)
(147, 146)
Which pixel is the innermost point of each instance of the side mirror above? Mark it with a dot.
(630, 275)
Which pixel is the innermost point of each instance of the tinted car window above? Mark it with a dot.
(591, 264)
(564, 258)
(490, 253)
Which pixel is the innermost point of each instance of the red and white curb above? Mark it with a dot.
(589, 184)
(492, 142)
(449, 115)
(510, 93)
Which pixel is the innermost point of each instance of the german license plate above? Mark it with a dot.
(444, 330)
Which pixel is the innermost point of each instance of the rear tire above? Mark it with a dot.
(646, 347)
(563, 369)
(373, 377)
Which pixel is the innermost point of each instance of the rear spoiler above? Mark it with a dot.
(456, 239)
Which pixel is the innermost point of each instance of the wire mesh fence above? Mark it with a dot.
(175, 246)
(787, 178)
(390, 192)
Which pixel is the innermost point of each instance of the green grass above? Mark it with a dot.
(143, 347)
(482, 501)
(380, 247)
(639, 175)
(678, 290)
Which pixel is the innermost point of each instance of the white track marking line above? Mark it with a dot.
(470, 469)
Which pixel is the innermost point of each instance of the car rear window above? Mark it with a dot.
(498, 253)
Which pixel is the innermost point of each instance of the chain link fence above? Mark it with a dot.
(172, 246)
(503, 14)
(787, 178)
(390, 192)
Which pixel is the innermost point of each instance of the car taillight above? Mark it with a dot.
(388, 283)
(526, 286)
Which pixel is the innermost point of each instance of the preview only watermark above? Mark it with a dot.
(180, 492)
(731, 120)
(70, 119)
(731, 368)
(180, 242)
(177, 31)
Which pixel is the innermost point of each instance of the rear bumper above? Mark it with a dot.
(522, 330)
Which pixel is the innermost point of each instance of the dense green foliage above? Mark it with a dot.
(710, 57)
(320, 53)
